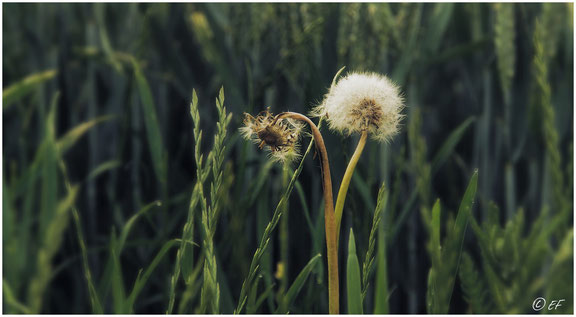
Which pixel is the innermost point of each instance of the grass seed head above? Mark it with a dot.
(363, 101)
(280, 137)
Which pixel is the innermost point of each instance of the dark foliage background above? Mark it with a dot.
(496, 79)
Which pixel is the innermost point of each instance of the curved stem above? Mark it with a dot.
(346, 182)
(329, 221)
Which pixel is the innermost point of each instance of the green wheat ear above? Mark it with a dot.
(504, 34)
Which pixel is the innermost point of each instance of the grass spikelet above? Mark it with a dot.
(504, 34)
(368, 265)
(473, 286)
(210, 294)
(543, 102)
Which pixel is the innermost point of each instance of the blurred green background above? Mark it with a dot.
(97, 129)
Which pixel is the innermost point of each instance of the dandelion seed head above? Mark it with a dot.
(363, 101)
(280, 137)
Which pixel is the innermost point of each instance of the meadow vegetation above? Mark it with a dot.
(127, 187)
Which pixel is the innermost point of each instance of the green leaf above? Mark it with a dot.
(297, 285)
(19, 90)
(448, 146)
(440, 18)
(72, 136)
(353, 280)
(51, 240)
(151, 121)
(128, 226)
(118, 289)
(435, 231)
(102, 168)
(49, 169)
(11, 300)
(94, 299)
(462, 222)
(466, 206)
(142, 279)
(381, 293)
(107, 277)
(439, 159)
(267, 292)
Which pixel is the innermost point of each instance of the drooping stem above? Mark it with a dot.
(346, 183)
(329, 221)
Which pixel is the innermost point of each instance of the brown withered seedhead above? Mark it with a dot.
(271, 137)
(369, 113)
(270, 131)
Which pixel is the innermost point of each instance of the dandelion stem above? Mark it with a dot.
(329, 221)
(346, 182)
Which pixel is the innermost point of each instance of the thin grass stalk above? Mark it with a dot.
(185, 252)
(282, 268)
(341, 199)
(94, 300)
(265, 240)
(329, 221)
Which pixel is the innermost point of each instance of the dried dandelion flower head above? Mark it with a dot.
(279, 136)
(363, 102)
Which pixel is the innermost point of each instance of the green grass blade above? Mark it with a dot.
(118, 289)
(381, 293)
(439, 21)
(434, 300)
(353, 287)
(72, 136)
(151, 122)
(107, 277)
(19, 90)
(11, 300)
(102, 168)
(297, 285)
(49, 169)
(305, 209)
(435, 231)
(99, 12)
(363, 189)
(466, 206)
(461, 223)
(449, 144)
(265, 294)
(128, 226)
(143, 279)
(51, 242)
(439, 159)
(94, 299)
